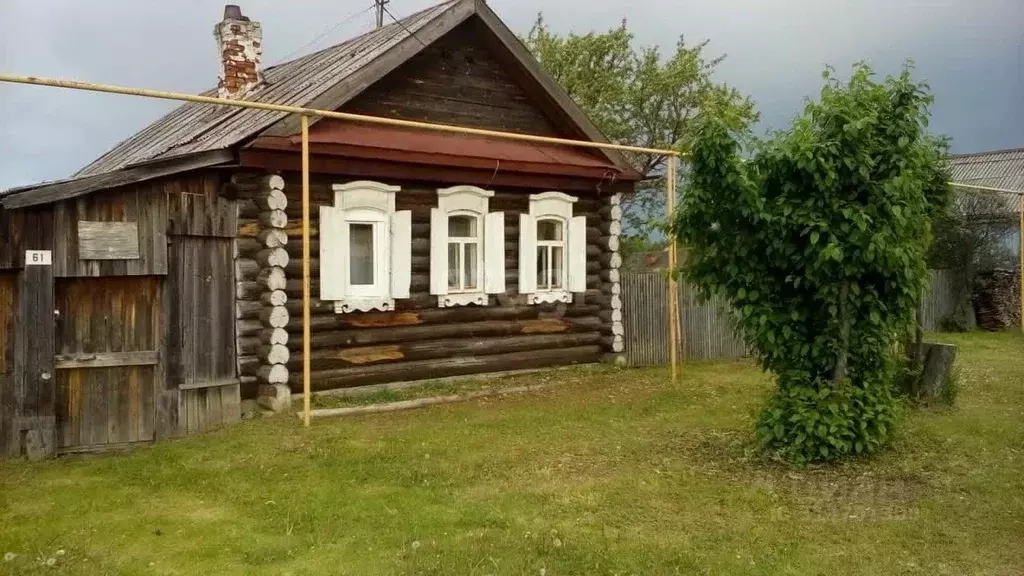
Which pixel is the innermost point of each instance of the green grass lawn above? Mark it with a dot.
(612, 472)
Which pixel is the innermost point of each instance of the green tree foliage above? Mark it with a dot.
(819, 242)
(637, 96)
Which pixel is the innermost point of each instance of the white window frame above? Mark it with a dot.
(559, 207)
(550, 245)
(490, 253)
(462, 242)
(381, 232)
(365, 202)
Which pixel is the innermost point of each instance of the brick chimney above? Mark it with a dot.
(240, 43)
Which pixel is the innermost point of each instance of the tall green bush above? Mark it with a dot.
(819, 241)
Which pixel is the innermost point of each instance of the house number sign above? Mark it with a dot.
(38, 257)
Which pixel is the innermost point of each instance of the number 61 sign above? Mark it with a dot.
(38, 258)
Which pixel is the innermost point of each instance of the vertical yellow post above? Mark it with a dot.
(1020, 250)
(305, 270)
(670, 206)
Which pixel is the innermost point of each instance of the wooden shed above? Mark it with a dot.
(151, 292)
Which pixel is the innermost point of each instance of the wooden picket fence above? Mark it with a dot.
(707, 332)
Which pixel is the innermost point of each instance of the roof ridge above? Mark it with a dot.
(987, 152)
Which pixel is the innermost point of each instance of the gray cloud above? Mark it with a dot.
(970, 52)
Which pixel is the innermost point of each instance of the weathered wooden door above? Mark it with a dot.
(201, 345)
(107, 354)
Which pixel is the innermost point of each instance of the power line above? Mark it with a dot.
(327, 32)
(399, 22)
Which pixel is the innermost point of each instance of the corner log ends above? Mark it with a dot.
(261, 262)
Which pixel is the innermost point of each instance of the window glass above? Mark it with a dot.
(557, 259)
(543, 267)
(549, 230)
(462, 226)
(470, 262)
(454, 265)
(360, 237)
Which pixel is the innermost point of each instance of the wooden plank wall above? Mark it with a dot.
(707, 332)
(11, 231)
(201, 337)
(140, 204)
(107, 405)
(8, 303)
(455, 81)
(420, 340)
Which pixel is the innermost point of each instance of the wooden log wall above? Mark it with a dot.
(420, 340)
(261, 261)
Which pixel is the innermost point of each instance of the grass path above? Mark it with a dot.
(612, 472)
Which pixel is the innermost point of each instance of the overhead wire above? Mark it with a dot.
(325, 33)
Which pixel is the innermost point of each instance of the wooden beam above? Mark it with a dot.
(209, 384)
(75, 187)
(106, 359)
(34, 343)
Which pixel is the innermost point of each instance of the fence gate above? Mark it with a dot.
(107, 339)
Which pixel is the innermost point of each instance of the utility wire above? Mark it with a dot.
(327, 32)
(399, 22)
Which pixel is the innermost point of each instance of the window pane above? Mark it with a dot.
(462, 226)
(360, 251)
(543, 268)
(470, 265)
(454, 259)
(549, 230)
(557, 266)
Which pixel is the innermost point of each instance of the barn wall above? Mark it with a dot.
(11, 231)
(420, 340)
(455, 81)
(8, 303)
(142, 205)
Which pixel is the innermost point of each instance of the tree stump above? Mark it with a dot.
(938, 362)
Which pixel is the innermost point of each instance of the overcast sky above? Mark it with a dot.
(970, 51)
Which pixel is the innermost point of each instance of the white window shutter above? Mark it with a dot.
(401, 253)
(438, 252)
(494, 253)
(333, 238)
(527, 254)
(577, 254)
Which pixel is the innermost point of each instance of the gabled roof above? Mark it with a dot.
(323, 80)
(998, 169)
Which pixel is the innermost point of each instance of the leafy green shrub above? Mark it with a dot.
(819, 242)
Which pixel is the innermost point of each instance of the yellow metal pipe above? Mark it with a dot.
(1020, 253)
(305, 272)
(75, 85)
(987, 188)
(670, 201)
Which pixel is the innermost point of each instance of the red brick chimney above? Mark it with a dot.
(240, 43)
